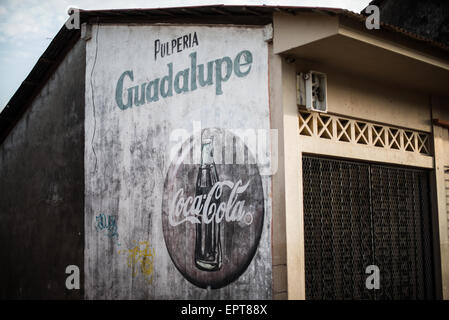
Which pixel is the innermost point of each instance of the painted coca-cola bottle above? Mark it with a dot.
(208, 256)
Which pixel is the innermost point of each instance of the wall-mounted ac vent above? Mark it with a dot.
(311, 90)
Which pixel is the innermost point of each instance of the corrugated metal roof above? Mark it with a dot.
(216, 14)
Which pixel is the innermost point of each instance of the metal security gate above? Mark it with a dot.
(360, 214)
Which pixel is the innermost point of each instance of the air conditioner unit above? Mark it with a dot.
(311, 90)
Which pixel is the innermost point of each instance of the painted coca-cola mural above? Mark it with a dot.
(212, 214)
(177, 162)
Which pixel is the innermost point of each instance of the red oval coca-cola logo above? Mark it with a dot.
(212, 210)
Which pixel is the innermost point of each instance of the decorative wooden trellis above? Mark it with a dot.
(347, 130)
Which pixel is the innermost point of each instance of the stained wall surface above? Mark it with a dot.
(150, 90)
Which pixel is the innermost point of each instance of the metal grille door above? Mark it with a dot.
(357, 214)
(402, 243)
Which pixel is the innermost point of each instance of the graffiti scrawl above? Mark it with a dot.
(107, 224)
(140, 258)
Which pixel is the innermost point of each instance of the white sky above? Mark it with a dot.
(28, 26)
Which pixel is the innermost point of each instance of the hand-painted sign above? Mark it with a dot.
(178, 44)
(206, 209)
(149, 91)
(207, 220)
(212, 215)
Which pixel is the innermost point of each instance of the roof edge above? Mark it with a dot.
(250, 14)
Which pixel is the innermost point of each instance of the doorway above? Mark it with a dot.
(358, 214)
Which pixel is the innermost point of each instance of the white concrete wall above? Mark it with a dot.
(127, 153)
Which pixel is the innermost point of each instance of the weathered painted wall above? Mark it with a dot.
(279, 178)
(42, 189)
(440, 110)
(137, 247)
